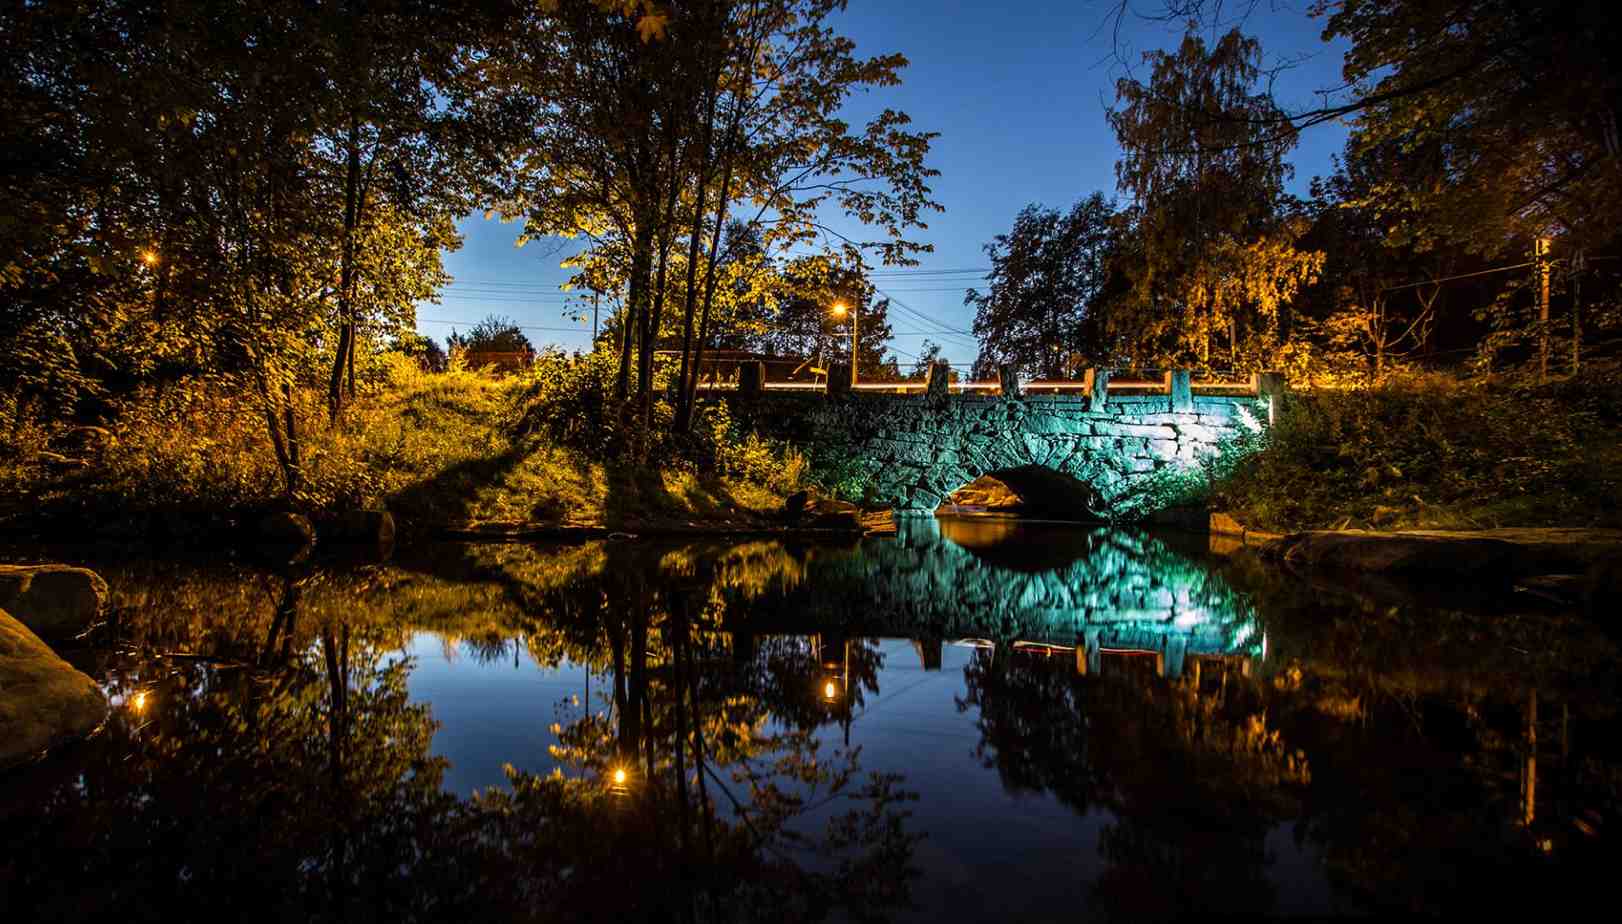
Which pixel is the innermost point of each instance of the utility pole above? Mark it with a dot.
(594, 296)
(1542, 255)
(1575, 271)
(854, 311)
(839, 309)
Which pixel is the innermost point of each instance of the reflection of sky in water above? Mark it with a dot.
(1021, 755)
(492, 713)
(989, 853)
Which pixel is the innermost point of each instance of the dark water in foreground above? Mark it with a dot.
(973, 721)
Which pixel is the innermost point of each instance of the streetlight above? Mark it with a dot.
(839, 312)
(149, 257)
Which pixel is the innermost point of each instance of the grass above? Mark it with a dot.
(435, 449)
(1434, 452)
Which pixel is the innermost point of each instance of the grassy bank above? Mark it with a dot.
(435, 449)
(1434, 452)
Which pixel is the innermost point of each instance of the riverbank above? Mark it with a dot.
(441, 452)
(1434, 453)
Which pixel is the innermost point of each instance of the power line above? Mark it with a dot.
(574, 330)
(946, 328)
(1431, 282)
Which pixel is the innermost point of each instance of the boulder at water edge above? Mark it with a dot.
(361, 527)
(44, 700)
(55, 601)
(286, 528)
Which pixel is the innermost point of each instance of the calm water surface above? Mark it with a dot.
(976, 720)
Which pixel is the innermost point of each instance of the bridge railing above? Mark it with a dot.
(1181, 385)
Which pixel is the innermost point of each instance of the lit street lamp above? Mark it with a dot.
(839, 312)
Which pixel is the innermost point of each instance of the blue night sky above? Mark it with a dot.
(1018, 99)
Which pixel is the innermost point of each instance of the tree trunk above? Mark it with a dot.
(690, 297)
(635, 303)
(344, 357)
(652, 323)
(684, 421)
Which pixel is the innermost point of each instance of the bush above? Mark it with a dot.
(1430, 450)
(567, 399)
(746, 455)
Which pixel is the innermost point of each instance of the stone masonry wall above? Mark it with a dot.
(914, 450)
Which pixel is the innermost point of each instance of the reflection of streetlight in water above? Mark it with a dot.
(830, 691)
(138, 702)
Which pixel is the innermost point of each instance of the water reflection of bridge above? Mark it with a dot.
(1098, 596)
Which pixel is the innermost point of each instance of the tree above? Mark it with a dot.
(803, 323)
(1203, 162)
(929, 354)
(235, 190)
(633, 137)
(494, 334)
(1506, 113)
(1371, 301)
(385, 145)
(1039, 310)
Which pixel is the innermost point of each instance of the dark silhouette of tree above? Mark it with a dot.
(494, 334)
(1039, 311)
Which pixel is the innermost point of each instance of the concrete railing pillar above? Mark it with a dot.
(838, 379)
(940, 380)
(1097, 389)
(1182, 392)
(1270, 387)
(752, 379)
(1008, 381)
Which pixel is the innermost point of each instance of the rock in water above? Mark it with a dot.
(369, 527)
(286, 529)
(44, 700)
(794, 506)
(55, 601)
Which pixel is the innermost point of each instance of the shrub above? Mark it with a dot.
(566, 399)
(1432, 450)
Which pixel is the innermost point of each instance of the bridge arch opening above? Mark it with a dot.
(1026, 491)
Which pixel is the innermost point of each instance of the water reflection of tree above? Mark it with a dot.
(1191, 775)
(237, 793)
(297, 781)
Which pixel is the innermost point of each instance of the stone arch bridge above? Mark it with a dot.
(1080, 448)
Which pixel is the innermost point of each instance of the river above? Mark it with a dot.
(978, 719)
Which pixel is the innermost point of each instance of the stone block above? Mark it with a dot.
(1046, 422)
(1169, 420)
(1147, 431)
(1036, 449)
(1201, 433)
(1182, 391)
(1163, 449)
